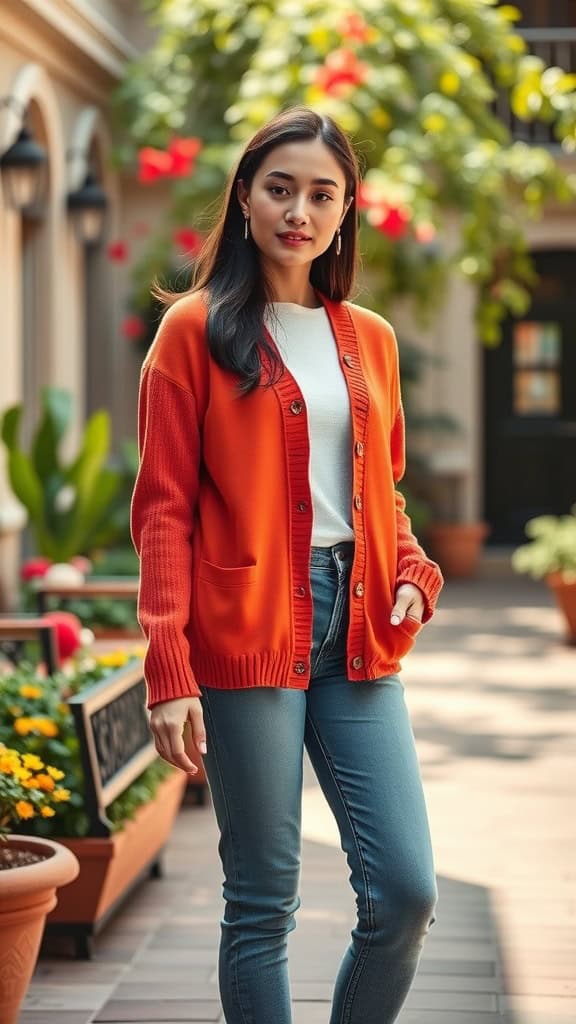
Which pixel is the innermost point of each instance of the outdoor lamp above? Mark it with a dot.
(23, 169)
(87, 206)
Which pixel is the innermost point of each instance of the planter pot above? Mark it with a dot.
(27, 894)
(456, 547)
(564, 591)
(110, 867)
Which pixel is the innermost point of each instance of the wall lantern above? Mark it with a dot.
(23, 168)
(87, 206)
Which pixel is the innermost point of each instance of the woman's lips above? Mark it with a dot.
(292, 241)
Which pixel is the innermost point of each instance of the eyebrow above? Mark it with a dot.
(290, 177)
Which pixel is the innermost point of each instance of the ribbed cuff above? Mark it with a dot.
(428, 578)
(167, 672)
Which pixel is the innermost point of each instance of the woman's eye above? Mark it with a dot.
(276, 189)
(322, 196)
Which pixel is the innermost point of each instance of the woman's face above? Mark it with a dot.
(296, 202)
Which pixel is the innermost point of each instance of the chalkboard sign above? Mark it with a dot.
(115, 739)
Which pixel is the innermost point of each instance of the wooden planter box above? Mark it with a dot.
(111, 866)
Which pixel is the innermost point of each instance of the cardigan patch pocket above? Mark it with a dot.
(224, 576)
(405, 635)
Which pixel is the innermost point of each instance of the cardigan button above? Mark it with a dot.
(359, 449)
(300, 591)
(302, 506)
(296, 407)
(358, 502)
(348, 360)
(300, 667)
(358, 661)
(359, 589)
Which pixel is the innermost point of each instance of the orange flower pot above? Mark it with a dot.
(27, 895)
(112, 865)
(564, 590)
(456, 547)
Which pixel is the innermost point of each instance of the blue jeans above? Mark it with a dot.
(360, 742)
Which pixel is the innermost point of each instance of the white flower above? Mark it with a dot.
(65, 498)
(64, 575)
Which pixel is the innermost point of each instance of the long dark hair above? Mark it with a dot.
(228, 267)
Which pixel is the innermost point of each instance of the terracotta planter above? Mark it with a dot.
(564, 591)
(110, 867)
(27, 894)
(456, 547)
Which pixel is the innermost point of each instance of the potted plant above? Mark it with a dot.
(36, 719)
(31, 869)
(551, 555)
(452, 538)
(75, 509)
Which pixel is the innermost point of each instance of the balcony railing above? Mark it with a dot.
(556, 47)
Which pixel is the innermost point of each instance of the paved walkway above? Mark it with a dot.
(491, 690)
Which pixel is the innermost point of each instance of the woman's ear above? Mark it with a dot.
(243, 197)
(347, 205)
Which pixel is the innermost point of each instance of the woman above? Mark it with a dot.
(280, 580)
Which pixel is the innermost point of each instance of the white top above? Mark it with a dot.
(308, 348)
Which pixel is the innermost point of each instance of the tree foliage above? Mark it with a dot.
(414, 82)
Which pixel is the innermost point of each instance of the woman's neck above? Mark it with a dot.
(287, 287)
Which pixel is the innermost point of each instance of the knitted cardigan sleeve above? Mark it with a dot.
(413, 564)
(162, 516)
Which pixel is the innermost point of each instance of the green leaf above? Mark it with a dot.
(26, 485)
(11, 425)
(57, 405)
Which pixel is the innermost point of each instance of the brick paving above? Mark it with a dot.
(491, 690)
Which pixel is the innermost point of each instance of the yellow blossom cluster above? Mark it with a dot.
(44, 726)
(27, 787)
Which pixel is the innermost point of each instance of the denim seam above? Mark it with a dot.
(363, 955)
(217, 763)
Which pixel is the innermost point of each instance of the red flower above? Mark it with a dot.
(183, 153)
(340, 70)
(189, 240)
(68, 627)
(34, 568)
(117, 252)
(153, 164)
(394, 223)
(133, 327)
(353, 26)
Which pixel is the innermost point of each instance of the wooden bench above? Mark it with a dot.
(15, 630)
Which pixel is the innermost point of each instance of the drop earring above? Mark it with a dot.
(338, 242)
(246, 221)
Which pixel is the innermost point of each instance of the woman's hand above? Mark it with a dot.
(409, 600)
(167, 721)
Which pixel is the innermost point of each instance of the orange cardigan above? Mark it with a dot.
(222, 514)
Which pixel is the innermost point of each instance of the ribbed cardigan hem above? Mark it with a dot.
(246, 671)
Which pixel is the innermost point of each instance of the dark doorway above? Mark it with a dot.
(530, 406)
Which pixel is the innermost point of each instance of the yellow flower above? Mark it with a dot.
(23, 726)
(113, 659)
(46, 727)
(24, 809)
(30, 692)
(33, 761)
(47, 812)
(30, 783)
(21, 773)
(8, 763)
(59, 795)
(54, 773)
(44, 782)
